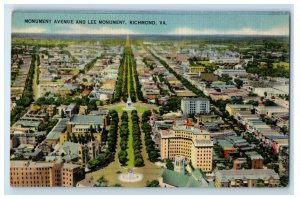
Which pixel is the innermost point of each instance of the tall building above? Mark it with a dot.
(195, 106)
(179, 164)
(42, 174)
(192, 143)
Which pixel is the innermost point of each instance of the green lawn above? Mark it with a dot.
(140, 107)
(284, 64)
(130, 152)
(119, 109)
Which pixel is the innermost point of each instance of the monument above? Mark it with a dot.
(130, 176)
(129, 106)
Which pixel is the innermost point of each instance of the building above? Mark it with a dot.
(256, 160)
(230, 72)
(51, 110)
(234, 108)
(192, 143)
(195, 106)
(208, 119)
(227, 147)
(75, 152)
(238, 163)
(71, 110)
(196, 69)
(246, 178)
(179, 164)
(54, 135)
(83, 124)
(272, 92)
(42, 174)
(270, 110)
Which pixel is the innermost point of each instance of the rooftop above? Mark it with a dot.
(57, 129)
(176, 179)
(228, 175)
(87, 119)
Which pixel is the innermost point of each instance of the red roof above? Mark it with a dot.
(201, 128)
(189, 123)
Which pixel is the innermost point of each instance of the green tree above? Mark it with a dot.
(285, 129)
(153, 183)
(169, 165)
(260, 183)
(74, 138)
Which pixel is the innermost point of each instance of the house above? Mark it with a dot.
(246, 178)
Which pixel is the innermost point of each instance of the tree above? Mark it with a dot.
(80, 175)
(92, 105)
(74, 138)
(40, 138)
(92, 138)
(284, 181)
(62, 114)
(170, 165)
(260, 183)
(245, 165)
(138, 162)
(238, 82)
(153, 183)
(285, 129)
(123, 157)
(92, 164)
(116, 185)
(101, 182)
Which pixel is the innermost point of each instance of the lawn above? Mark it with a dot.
(119, 109)
(284, 64)
(140, 107)
(130, 152)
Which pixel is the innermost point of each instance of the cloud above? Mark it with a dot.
(280, 31)
(80, 29)
(28, 30)
(75, 29)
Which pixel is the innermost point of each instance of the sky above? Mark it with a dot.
(176, 23)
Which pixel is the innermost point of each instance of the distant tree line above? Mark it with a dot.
(120, 81)
(125, 86)
(124, 133)
(89, 65)
(131, 81)
(137, 82)
(137, 143)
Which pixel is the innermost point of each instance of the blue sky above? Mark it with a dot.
(178, 23)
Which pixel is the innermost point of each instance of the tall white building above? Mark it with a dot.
(195, 106)
(179, 164)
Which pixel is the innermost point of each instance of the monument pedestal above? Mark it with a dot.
(129, 106)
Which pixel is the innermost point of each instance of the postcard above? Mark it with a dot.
(180, 99)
